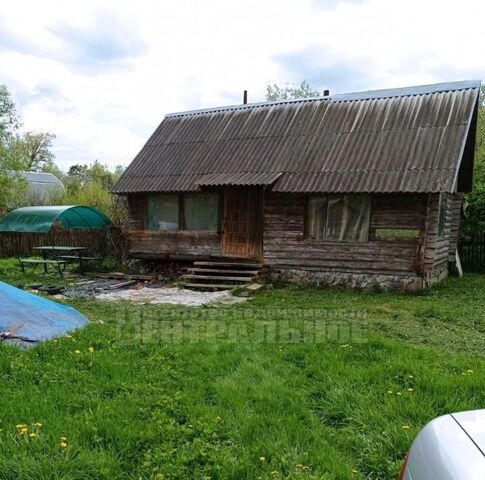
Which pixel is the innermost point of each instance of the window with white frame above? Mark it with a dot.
(339, 217)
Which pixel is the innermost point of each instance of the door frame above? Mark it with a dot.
(254, 202)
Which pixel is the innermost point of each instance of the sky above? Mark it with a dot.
(102, 74)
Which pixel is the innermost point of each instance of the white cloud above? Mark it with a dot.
(101, 75)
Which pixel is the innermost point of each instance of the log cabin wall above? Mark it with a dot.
(136, 211)
(455, 211)
(387, 262)
(439, 248)
(405, 263)
(153, 244)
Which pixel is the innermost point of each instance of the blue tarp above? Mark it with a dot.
(23, 314)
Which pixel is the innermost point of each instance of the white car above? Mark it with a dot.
(451, 447)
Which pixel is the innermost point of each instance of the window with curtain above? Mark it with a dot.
(339, 217)
(201, 211)
(163, 212)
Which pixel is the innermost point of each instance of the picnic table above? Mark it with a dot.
(59, 256)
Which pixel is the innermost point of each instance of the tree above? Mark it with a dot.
(9, 123)
(32, 151)
(91, 185)
(475, 201)
(9, 119)
(290, 92)
(81, 176)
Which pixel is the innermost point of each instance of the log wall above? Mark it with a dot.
(182, 245)
(399, 262)
(155, 244)
(438, 250)
(455, 212)
(136, 211)
(287, 249)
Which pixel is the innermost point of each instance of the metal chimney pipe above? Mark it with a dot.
(326, 93)
(245, 97)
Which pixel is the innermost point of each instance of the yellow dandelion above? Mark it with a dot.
(91, 349)
(275, 473)
(299, 465)
(38, 424)
(218, 419)
(32, 434)
(77, 352)
(406, 427)
(390, 392)
(410, 389)
(398, 393)
(470, 371)
(410, 376)
(355, 471)
(262, 459)
(21, 425)
(63, 444)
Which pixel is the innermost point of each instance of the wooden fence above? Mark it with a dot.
(106, 243)
(472, 253)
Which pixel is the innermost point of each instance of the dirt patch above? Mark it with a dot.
(170, 295)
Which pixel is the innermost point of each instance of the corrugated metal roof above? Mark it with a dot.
(41, 187)
(399, 140)
(41, 177)
(241, 178)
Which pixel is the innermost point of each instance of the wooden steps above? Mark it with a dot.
(207, 286)
(220, 275)
(213, 270)
(240, 265)
(217, 277)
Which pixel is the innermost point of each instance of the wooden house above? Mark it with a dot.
(360, 189)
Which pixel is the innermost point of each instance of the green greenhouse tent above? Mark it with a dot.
(41, 219)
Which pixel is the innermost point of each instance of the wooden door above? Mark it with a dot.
(242, 223)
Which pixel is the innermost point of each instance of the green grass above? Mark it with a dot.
(179, 393)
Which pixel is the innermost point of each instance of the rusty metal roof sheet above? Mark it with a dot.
(400, 140)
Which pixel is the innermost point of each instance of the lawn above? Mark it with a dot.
(297, 383)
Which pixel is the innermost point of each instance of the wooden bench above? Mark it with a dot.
(79, 259)
(59, 265)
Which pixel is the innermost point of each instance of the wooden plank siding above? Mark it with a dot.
(423, 257)
(155, 244)
(285, 244)
(183, 245)
(136, 211)
(15, 244)
(437, 250)
(455, 211)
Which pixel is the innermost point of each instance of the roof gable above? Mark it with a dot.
(399, 140)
